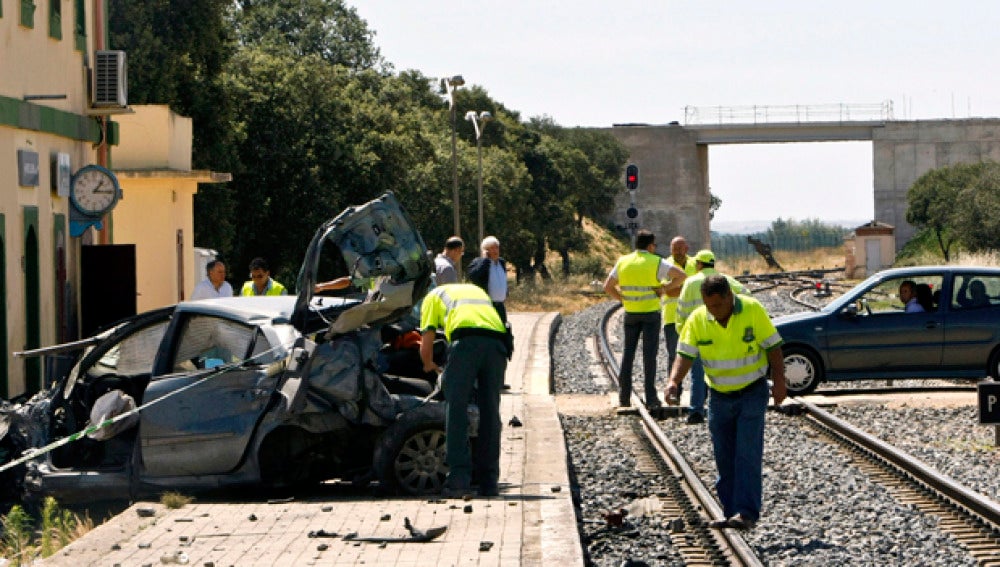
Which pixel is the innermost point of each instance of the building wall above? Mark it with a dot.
(32, 65)
(673, 197)
(903, 151)
(153, 165)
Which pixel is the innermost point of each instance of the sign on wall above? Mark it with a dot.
(61, 174)
(27, 168)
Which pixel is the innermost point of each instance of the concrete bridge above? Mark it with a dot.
(673, 196)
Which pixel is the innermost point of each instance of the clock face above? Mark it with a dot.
(94, 190)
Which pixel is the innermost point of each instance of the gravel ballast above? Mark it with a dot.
(819, 508)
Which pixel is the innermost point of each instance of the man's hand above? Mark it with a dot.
(778, 390)
(672, 394)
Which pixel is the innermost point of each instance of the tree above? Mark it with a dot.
(327, 28)
(933, 199)
(978, 210)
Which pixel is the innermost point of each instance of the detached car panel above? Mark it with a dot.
(279, 391)
(866, 334)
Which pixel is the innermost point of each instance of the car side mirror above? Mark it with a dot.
(850, 312)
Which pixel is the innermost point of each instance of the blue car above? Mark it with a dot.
(949, 329)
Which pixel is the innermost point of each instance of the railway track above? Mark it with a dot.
(971, 518)
(685, 497)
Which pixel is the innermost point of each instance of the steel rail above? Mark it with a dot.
(739, 551)
(982, 508)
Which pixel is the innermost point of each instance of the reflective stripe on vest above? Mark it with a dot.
(459, 306)
(637, 280)
(734, 356)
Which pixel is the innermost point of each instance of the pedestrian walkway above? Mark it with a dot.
(532, 522)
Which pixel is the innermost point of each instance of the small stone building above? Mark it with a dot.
(869, 248)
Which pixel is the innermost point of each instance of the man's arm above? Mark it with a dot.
(611, 288)
(673, 287)
(427, 351)
(776, 360)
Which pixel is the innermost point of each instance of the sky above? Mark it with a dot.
(600, 62)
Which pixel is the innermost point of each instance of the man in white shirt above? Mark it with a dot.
(216, 284)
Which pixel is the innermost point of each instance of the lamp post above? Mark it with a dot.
(450, 84)
(479, 122)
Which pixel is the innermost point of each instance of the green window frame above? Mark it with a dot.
(28, 13)
(80, 25)
(55, 19)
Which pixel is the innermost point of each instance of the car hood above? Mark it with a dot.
(379, 248)
(797, 318)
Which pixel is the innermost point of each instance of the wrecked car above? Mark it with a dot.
(261, 391)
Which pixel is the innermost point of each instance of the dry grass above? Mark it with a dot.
(579, 291)
(816, 259)
(175, 500)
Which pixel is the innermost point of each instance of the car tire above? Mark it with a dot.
(410, 456)
(993, 365)
(803, 371)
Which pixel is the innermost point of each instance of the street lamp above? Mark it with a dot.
(482, 119)
(450, 84)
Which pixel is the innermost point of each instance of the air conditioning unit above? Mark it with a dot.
(110, 80)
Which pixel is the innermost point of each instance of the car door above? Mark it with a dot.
(973, 321)
(212, 401)
(881, 337)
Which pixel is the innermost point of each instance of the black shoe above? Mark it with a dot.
(694, 418)
(719, 524)
(740, 523)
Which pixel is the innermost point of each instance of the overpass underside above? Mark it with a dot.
(674, 197)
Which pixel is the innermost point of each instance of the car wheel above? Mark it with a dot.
(803, 371)
(410, 456)
(993, 366)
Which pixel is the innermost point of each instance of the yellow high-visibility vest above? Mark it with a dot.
(637, 279)
(734, 356)
(459, 306)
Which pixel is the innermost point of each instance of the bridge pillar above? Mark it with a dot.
(673, 195)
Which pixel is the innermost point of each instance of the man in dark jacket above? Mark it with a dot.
(489, 272)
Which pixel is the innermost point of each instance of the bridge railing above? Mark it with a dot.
(793, 113)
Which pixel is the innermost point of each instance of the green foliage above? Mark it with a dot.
(17, 536)
(294, 99)
(21, 543)
(326, 28)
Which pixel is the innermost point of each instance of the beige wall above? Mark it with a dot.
(32, 63)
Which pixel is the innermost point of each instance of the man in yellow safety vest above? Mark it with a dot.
(635, 281)
(739, 346)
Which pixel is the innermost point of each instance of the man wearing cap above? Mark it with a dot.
(445, 264)
(635, 281)
(739, 345)
(688, 300)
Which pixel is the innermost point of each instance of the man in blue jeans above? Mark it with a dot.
(739, 346)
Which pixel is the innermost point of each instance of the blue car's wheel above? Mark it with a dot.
(803, 371)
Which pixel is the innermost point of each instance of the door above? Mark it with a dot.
(207, 417)
(883, 337)
(873, 255)
(107, 285)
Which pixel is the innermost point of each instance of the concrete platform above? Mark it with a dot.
(532, 522)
